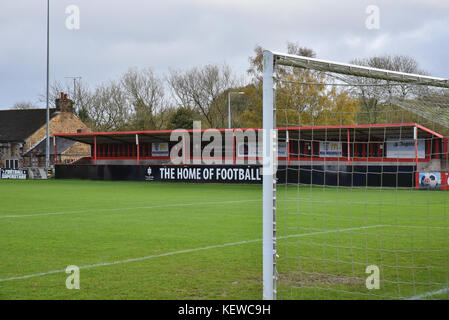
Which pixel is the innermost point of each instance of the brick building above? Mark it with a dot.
(23, 136)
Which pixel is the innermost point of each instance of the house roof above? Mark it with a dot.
(40, 148)
(17, 125)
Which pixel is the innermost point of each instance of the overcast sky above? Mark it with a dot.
(115, 35)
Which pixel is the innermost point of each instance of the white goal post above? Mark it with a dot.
(271, 61)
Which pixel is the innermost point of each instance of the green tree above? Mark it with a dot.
(181, 118)
(303, 96)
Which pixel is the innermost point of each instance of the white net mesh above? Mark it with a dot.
(351, 219)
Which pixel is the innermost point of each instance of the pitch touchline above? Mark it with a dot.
(428, 294)
(103, 264)
(128, 208)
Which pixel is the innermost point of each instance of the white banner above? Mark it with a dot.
(159, 149)
(330, 149)
(249, 150)
(282, 149)
(13, 174)
(405, 149)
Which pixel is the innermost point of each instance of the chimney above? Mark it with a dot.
(64, 104)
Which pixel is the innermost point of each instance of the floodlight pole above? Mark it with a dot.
(269, 252)
(229, 106)
(47, 147)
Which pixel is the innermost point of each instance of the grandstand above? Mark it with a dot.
(348, 155)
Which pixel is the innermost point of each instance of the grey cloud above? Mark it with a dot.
(115, 35)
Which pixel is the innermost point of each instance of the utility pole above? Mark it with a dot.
(47, 146)
(74, 87)
(229, 105)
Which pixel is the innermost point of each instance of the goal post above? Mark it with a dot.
(269, 180)
(350, 145)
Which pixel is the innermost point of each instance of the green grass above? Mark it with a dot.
(47, 225)
(403, 232)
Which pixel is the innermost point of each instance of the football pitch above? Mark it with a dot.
(137, 240)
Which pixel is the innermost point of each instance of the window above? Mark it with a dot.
(12, 164)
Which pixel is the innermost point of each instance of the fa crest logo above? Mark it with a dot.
(148, 176)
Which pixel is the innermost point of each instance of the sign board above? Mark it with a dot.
(282, 149)
(13, 174)
(248, 150)
(430, 180)
(215, 174)
(331, 149)
(405, 149)
(433, 181)
(159, 149)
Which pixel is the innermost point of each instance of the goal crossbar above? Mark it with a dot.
(355, 70)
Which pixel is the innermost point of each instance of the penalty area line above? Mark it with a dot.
(429, 294)
(129, 208)
(104, 264)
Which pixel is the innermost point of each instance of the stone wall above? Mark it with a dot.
(10, 151)
(75, 152)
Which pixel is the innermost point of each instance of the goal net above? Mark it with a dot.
(355, 182)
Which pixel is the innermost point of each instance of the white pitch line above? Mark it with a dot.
(429, 294)
(103, 264)
(128, 208)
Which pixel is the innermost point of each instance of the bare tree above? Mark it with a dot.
(24, 105)
(81, 95)
(296, 49)
(200, 89)
(145, 93)
(373, 92)
(136, 101)
(54, 93)
(109, 108)
(83, 98)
